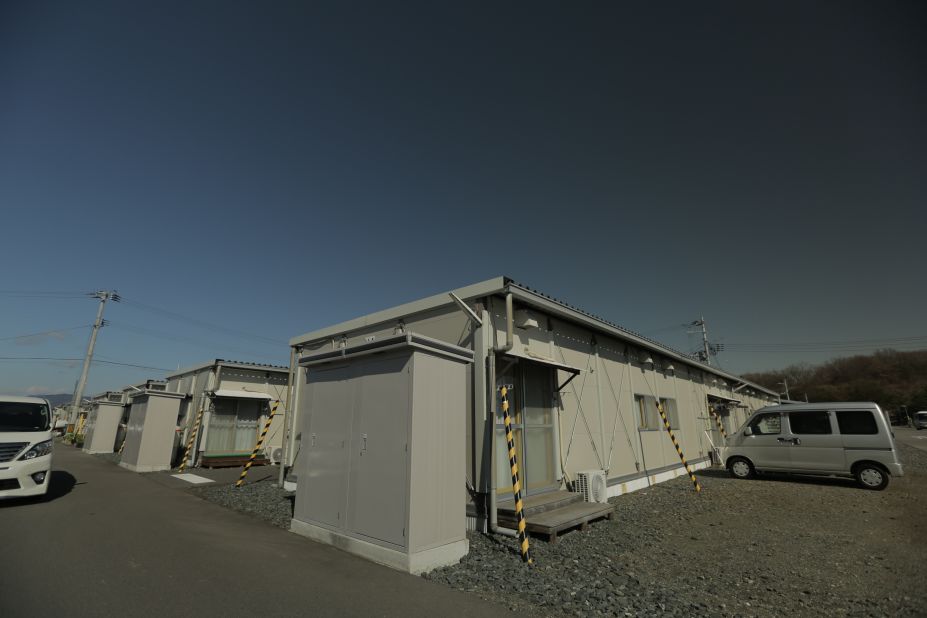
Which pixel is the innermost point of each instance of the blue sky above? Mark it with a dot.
(265, 169)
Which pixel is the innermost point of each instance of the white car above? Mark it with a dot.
(920, 420)
(25, 446)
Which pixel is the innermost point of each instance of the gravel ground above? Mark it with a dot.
(262, 499)
(777, 546)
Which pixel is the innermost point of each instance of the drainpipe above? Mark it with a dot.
(288, 419)
(509, 344)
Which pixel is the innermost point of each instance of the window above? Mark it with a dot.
(648, 416)
(858, 422)
(810, 422)
(767, 424)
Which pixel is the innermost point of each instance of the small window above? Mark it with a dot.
(647, 415)
(810, 422)
(672, 413)
(856, 422)
(767, 424)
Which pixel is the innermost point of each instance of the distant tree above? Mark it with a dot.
(891, 378)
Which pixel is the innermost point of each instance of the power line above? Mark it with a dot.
(45, 332)
(96, 360)
(203, 324)
(150, 332)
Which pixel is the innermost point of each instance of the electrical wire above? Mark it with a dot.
(201, 323)
(95, 360)
(45, 332)
(202, 343)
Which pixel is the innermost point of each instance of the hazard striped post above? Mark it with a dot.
(717, 418)
(257, 447)
(192, 440)
(516, 484)
(682, 457)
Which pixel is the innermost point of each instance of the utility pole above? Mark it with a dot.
(706, 348)
(103, 295)
(785, 383)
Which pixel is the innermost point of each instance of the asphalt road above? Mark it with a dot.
(911, 437)
(109, 542)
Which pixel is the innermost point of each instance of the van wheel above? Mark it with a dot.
(871, 477)
(741, 468)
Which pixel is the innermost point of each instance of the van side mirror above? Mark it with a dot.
(748, 431)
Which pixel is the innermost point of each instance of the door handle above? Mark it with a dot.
(364, 438)
(782, 440)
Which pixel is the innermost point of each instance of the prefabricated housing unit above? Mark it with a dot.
(583, 393)
(103, 422)
(236, 399)
(152, 431)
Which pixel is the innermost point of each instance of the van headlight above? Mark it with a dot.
(40, 449)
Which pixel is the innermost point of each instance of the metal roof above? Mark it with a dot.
(528, 296)
(219, 362)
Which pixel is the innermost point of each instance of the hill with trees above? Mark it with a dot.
(897, 381)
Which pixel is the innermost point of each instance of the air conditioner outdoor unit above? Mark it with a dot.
(593, 485)
(274, 455)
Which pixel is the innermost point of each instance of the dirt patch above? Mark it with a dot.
(775, 546)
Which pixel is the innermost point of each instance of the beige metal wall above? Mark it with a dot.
(599, 426)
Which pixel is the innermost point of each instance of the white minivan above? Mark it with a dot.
(835, 438)
(25, 446)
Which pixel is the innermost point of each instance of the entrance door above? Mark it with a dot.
(233, 425)
(531, 398)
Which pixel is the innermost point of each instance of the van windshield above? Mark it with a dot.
(23, 416)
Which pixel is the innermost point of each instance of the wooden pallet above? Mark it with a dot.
(550, 514)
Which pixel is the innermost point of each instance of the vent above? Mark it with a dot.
(9, 450)
(592, 485)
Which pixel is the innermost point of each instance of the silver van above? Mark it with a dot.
(920, 420)
(837, 438)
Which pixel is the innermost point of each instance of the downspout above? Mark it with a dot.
(288, 418)
(491, 422)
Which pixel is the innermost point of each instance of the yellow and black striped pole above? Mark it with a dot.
(257, 447)
(516, 484)
(717, 418)
(682, 457)
(193, 434)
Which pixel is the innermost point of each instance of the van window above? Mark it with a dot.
(810, 422)
(858, 422)
(767, 424)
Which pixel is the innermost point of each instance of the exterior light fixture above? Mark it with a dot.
(648, 361)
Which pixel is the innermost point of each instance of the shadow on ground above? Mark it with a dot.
(60, 484)
(833, 481)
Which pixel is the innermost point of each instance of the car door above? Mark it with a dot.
(815, 445)
(767, 446)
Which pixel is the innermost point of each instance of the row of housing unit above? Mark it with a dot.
(396, 442)
(149, 422)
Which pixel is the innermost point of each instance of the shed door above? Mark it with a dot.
(379, 440)
(324, 447)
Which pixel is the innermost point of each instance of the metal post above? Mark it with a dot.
(682, 457)
(257, 447)
(288, 418)
(193, 435)
(97, 324)
(516, 484)
(598, 392)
